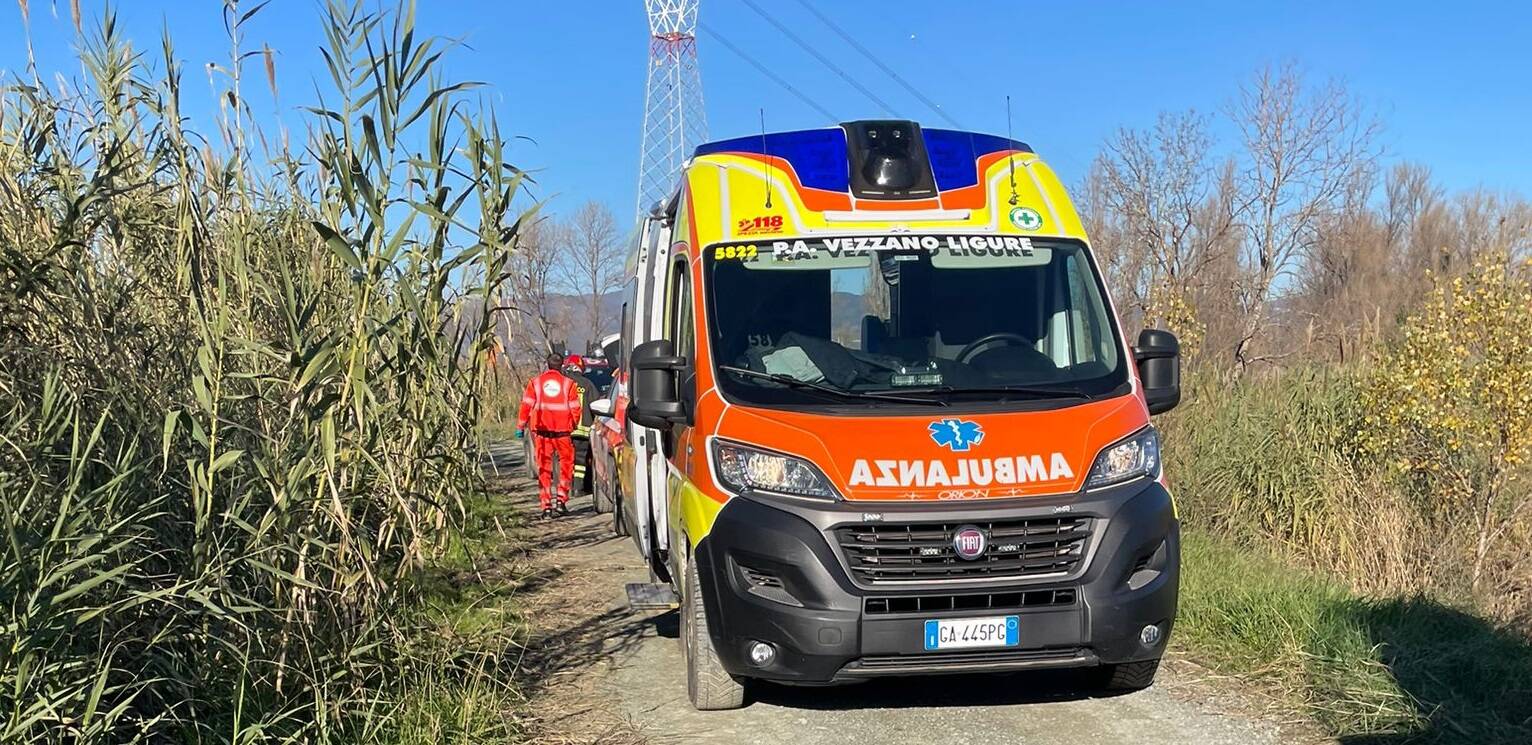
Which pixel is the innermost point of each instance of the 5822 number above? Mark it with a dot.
(741, 253)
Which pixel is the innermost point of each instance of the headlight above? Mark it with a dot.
(740, 467)
(1138, 455)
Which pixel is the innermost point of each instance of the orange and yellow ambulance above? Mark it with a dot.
(877, 417)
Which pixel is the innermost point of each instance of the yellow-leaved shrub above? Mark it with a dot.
(1170, 309)
(1449, 409)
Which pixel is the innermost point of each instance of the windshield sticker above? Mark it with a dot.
(952, 245)
(976, 472)
(820, 249)
(764, 225)
(1026, 218)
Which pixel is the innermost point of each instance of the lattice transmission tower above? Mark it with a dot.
(674, 121)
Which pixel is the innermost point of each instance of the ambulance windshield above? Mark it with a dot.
(939, 318)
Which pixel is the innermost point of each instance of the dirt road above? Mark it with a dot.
(603, 673)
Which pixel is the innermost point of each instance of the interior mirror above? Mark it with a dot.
(1158, 355)
(601, 407)
(654, 377)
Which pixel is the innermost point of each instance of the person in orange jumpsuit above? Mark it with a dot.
(550, 406)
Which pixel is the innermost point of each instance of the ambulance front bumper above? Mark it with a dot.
(773, 572)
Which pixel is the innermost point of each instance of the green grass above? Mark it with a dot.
(468, 638)
(499, 431)
(1367, 670)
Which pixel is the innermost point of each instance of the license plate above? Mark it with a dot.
(970, 633)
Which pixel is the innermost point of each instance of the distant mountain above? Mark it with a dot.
(572, 314)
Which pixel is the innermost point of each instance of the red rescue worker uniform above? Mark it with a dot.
(550, 407)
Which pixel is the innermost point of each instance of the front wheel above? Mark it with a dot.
(582, 456)
(1129, 676)
(600, 496)
(619, 526)
(710, 687)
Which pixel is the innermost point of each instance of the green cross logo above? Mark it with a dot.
(1026, 218)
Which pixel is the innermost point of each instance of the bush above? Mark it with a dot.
(1450, 410)
(1272, 461)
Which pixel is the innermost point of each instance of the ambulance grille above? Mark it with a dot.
(1015, 549)
(984, 601)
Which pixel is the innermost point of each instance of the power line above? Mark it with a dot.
(823, 60)
(932, 105)
(764, 70)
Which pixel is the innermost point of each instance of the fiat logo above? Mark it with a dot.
(969, 542)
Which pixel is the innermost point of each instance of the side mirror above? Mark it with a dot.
(1158, 355)
(601, 407)
(652, 384)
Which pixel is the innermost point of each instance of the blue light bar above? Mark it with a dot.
(955, 155)
(818, 156)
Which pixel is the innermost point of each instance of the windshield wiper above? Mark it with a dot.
(793, 382)
(1037, 392)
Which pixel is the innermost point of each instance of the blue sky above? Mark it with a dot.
(1452, 83)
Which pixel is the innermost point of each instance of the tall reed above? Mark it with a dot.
(239, 385)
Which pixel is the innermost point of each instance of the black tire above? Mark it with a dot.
(619, 526)
(708, 685)
(600, 501)
(1129, 676)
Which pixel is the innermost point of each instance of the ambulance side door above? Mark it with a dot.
(654, 441)
(645, 467)
(677, 445)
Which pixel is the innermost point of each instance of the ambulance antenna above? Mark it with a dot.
(770, 163)
(1010, 156)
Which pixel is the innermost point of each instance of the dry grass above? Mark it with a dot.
(1277, 462)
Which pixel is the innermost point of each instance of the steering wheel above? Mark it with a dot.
(1016, 340)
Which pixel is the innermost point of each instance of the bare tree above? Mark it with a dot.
(1303, 150)
(1165, 209)
(1490, 222)
(1123, 261)
(591, 263)
(1349, 274)
(534, 270)
(1296, 241)
(1409, 197)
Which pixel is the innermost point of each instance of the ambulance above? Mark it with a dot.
(876, 416)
